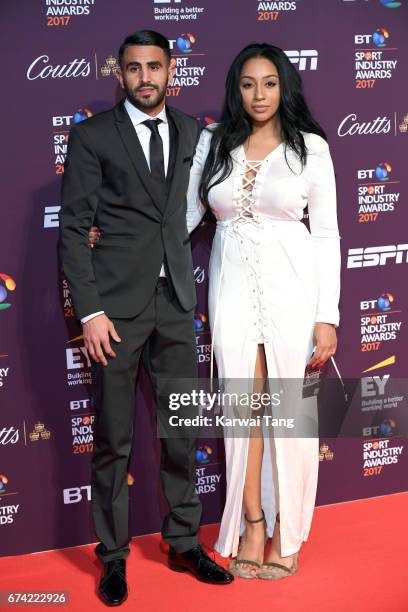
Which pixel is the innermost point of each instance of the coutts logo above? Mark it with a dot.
(350, 126)
(9, 435)
(41, 68)
(199, 275)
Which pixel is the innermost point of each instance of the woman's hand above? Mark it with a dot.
(325, 340)
(93, 236)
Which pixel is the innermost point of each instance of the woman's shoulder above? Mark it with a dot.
(209, 130)
(205, 137)
(204, 142)
(315, 144)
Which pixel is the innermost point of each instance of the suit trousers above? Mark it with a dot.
(166, 336)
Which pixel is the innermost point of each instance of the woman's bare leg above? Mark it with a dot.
(252, 544)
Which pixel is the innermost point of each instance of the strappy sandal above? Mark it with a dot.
(235, 566)
(269, 570)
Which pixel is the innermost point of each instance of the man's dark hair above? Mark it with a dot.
(145, 37)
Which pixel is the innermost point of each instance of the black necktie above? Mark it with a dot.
(156, 150)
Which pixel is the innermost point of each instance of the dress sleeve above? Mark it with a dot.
(324, 229)
(195, 209)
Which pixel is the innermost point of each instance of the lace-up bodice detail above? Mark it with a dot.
(244, 205)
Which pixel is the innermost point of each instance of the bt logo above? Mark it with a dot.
(67, 120)
(8, 284)
(185, 43)
(383, 303)
(200, 320)
(387, 3)
(78, 404)
(386, 428)
(75, 494)
(379, 38)
(390, 3)
(203, 454)
(3, 482)
(381, 172)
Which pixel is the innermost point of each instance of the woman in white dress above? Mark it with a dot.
(273, 292)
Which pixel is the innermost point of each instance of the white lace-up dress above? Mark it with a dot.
(270, 281)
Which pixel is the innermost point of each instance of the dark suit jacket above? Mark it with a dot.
(107, 182)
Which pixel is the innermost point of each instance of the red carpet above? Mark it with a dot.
(355, 560)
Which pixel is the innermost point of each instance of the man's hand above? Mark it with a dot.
(325, 340)
(96, 337)
(94, 235)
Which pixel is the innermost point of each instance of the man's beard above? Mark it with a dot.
(141, 102)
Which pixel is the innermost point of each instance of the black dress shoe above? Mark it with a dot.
(196, 561)
(112, 587)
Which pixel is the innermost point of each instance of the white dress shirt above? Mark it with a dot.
(143, 133)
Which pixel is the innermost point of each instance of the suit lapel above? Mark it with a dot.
(134, 149)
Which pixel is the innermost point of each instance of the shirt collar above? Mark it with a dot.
(137, 116)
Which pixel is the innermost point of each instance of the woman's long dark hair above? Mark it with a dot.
(235, 124)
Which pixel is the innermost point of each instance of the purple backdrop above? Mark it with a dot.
(58, 62)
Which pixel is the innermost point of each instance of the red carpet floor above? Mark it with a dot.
(355, 560)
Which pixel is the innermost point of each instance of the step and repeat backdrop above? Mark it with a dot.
(59, 62)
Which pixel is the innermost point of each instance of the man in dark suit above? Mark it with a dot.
(127, 171)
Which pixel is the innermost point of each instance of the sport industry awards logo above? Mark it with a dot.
(61, 12)
(66, 299)
(377, 192)
(4, 371)
(379, 455)
(190, 63)
(208, 472)
(10, 511)
(82, 433)
(380, 322)
(374, 58)
(272, 10)
(61, 125)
